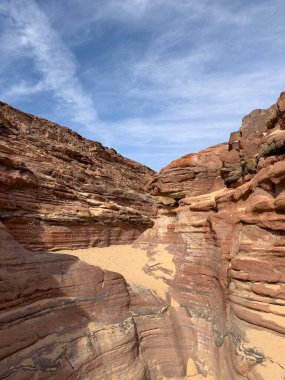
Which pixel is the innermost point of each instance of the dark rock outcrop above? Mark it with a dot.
(261, 135)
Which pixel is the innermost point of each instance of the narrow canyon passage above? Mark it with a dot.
(110, 271)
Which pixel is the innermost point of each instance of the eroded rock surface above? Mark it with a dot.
(58, 190)
(228, 250)
(204, 300)
(61, 318)
(261, 135)
(194, 173)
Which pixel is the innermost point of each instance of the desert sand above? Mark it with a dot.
(124, 259)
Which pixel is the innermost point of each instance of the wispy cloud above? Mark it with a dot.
(29, 33)
(205, 66)
(167, 77)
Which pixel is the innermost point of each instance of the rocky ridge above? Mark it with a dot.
(67, 191)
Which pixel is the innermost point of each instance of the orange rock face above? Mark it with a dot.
(58, 190)
(194, 173)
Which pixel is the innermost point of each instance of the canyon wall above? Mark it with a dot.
(59, 190)
(63, 319)
(211, 302)
(227, 244)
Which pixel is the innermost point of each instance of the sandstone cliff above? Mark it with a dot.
(58, 190)
(227, 245)
(205, 297)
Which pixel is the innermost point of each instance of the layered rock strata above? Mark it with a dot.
(58, 190)
(63, 319)
(228, 250)
(211, 298)
(193, 174)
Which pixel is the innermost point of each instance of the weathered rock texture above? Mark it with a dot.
(261, 135)
(193, 174)
(217, 247)
(228, 249)
(58, 190)
(63, 319)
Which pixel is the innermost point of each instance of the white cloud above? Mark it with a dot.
(29, 33)
(194, 69)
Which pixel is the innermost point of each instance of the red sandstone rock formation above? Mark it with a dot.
(193, 174)
(63, 319)
(58, 190)
(219, 250)
(228, 249)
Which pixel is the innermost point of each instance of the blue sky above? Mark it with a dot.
(155, 79)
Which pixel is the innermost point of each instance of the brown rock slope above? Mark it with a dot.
(228, 250)
(58, 190)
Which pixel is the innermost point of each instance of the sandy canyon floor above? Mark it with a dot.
(130, 262)
(136, 267)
